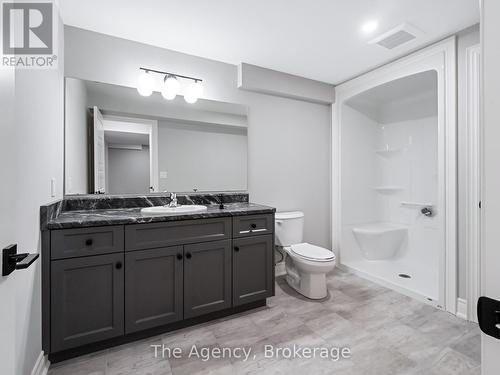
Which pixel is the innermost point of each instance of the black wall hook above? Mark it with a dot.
(12, 261)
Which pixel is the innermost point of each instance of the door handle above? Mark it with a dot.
(488, 314)
(427, 211)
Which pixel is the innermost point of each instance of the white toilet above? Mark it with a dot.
(306, 264)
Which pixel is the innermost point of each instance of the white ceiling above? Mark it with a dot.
(319, 39)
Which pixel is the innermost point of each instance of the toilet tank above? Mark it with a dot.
(289, 228)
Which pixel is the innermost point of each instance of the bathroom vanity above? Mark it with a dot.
(112, 275)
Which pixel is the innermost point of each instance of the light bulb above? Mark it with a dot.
(145, 83)
(170, 87)
(193, 92)
(369, 27)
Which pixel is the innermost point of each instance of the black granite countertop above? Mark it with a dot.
(117, 216)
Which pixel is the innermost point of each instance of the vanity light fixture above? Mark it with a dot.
(171, 85)
(193, 92)
(145, 83)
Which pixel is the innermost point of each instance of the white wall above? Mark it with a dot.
(38, 158)
(263, 80)
(8, 189)
(288, 140)
(75, 150)
(205, 157)
(359, 167)
(465, 39)
(490, 256)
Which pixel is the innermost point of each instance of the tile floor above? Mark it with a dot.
(387, 333)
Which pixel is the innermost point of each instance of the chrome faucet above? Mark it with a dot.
(173, 200)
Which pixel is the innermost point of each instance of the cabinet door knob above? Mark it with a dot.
(89, 242)
(253, 226)
(179, 256)
(188, 255)
(236, 248)
(118, 265)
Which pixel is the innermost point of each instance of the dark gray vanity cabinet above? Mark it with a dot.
(109, 284)
(70, 243)
(153, 288)
(149, 236)
(87, 296)
(207, 277)
(253, 278)
(253, 225)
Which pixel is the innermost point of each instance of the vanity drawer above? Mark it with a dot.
(150, 236)
(253, 225)
(71, 243)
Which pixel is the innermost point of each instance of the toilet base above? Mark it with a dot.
(310, 285)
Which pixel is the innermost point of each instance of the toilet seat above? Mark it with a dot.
(312, 253)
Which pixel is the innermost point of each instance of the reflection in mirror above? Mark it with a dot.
(117, 142)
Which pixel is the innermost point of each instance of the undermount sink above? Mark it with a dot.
(185, 209)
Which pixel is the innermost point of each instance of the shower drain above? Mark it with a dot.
(404, 276)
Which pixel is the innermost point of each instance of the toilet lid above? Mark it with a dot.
(312, 252)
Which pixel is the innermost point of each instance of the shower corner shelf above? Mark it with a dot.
(388, 189)
(388, 152)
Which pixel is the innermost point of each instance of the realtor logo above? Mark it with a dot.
(28, 34)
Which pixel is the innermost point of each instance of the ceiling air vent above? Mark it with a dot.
(397, 36)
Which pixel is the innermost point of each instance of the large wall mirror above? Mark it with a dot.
(118, 142)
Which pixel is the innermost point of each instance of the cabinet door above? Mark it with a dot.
(153, 288)
(86, 300)
(207, 277)
(253, 264)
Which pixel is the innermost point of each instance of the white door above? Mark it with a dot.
(490, 39)
(99, 153)
(9, 284)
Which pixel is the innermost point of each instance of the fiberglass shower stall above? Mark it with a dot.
(394, 179)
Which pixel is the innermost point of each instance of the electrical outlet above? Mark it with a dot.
(163, 174)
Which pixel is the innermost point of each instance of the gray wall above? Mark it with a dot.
(75, 137)
(288, 140)
(465, 39)
(127, 171)
(205, 157)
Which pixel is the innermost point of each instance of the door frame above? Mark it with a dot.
(141, 126)
(473, 179)
(440, 57)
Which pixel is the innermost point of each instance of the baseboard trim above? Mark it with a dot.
(41, 365)
(462, 308)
